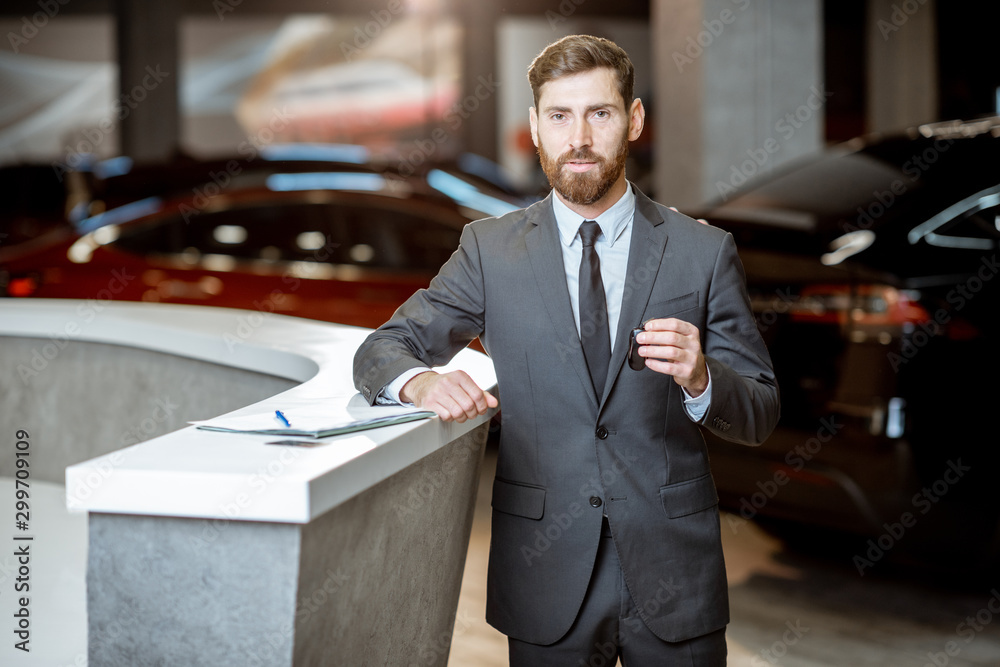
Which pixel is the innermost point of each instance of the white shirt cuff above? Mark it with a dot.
(390, 393)
(696, 407)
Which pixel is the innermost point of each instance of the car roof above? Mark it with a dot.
(933, 165)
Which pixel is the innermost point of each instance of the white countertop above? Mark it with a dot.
(205, 474)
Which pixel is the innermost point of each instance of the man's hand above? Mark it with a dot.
(452, 396)
(673, 347)
(701, 220)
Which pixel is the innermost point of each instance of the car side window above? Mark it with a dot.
(298, 232)
(324, 232)
(269, 232)
(395, 240)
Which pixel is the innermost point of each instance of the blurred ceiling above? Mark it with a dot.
(621, 8)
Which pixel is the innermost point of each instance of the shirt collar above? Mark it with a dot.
(613, 221)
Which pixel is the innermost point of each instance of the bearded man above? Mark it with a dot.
(606, 463)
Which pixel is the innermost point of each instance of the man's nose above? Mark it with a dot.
(581, 135)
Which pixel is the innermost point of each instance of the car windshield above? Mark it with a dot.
(816, 193)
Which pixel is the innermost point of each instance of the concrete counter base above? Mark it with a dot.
(374, 581)
(209, 548)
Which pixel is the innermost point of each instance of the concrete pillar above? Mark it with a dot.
(148, 103)
(479, 71)
(739, 92)
(902, 64)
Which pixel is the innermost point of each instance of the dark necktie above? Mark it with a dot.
(594, 333)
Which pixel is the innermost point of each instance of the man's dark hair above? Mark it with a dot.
(576, 54)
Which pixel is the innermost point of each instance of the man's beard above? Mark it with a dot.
(588, 187)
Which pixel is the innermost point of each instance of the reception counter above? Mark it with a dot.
(211, 548)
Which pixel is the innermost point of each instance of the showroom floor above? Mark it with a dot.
(842, 620)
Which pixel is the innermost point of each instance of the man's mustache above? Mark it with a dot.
(584, 154)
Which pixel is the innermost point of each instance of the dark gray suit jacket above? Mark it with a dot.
(566, 455)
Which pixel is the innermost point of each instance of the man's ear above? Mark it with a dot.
(636, 119)
(533, 121)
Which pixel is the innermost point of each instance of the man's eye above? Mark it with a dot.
(557, 116)
(601, 114)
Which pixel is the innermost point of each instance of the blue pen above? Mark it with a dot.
(279, 415)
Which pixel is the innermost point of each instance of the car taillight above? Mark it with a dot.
(860, 304)
(22, 287)
(868, 311)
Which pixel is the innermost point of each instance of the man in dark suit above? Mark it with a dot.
(606, 538)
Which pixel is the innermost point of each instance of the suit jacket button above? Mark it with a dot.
(602, 433)
(595, 501)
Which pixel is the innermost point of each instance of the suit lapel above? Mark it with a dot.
(545, 252)
(649, 238)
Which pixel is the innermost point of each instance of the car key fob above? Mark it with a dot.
(635, 362)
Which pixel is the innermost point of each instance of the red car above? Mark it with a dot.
(285, 231)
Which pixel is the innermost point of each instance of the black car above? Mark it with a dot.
(872, 270)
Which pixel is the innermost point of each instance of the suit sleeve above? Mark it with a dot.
(745, 405)
(431, 327)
